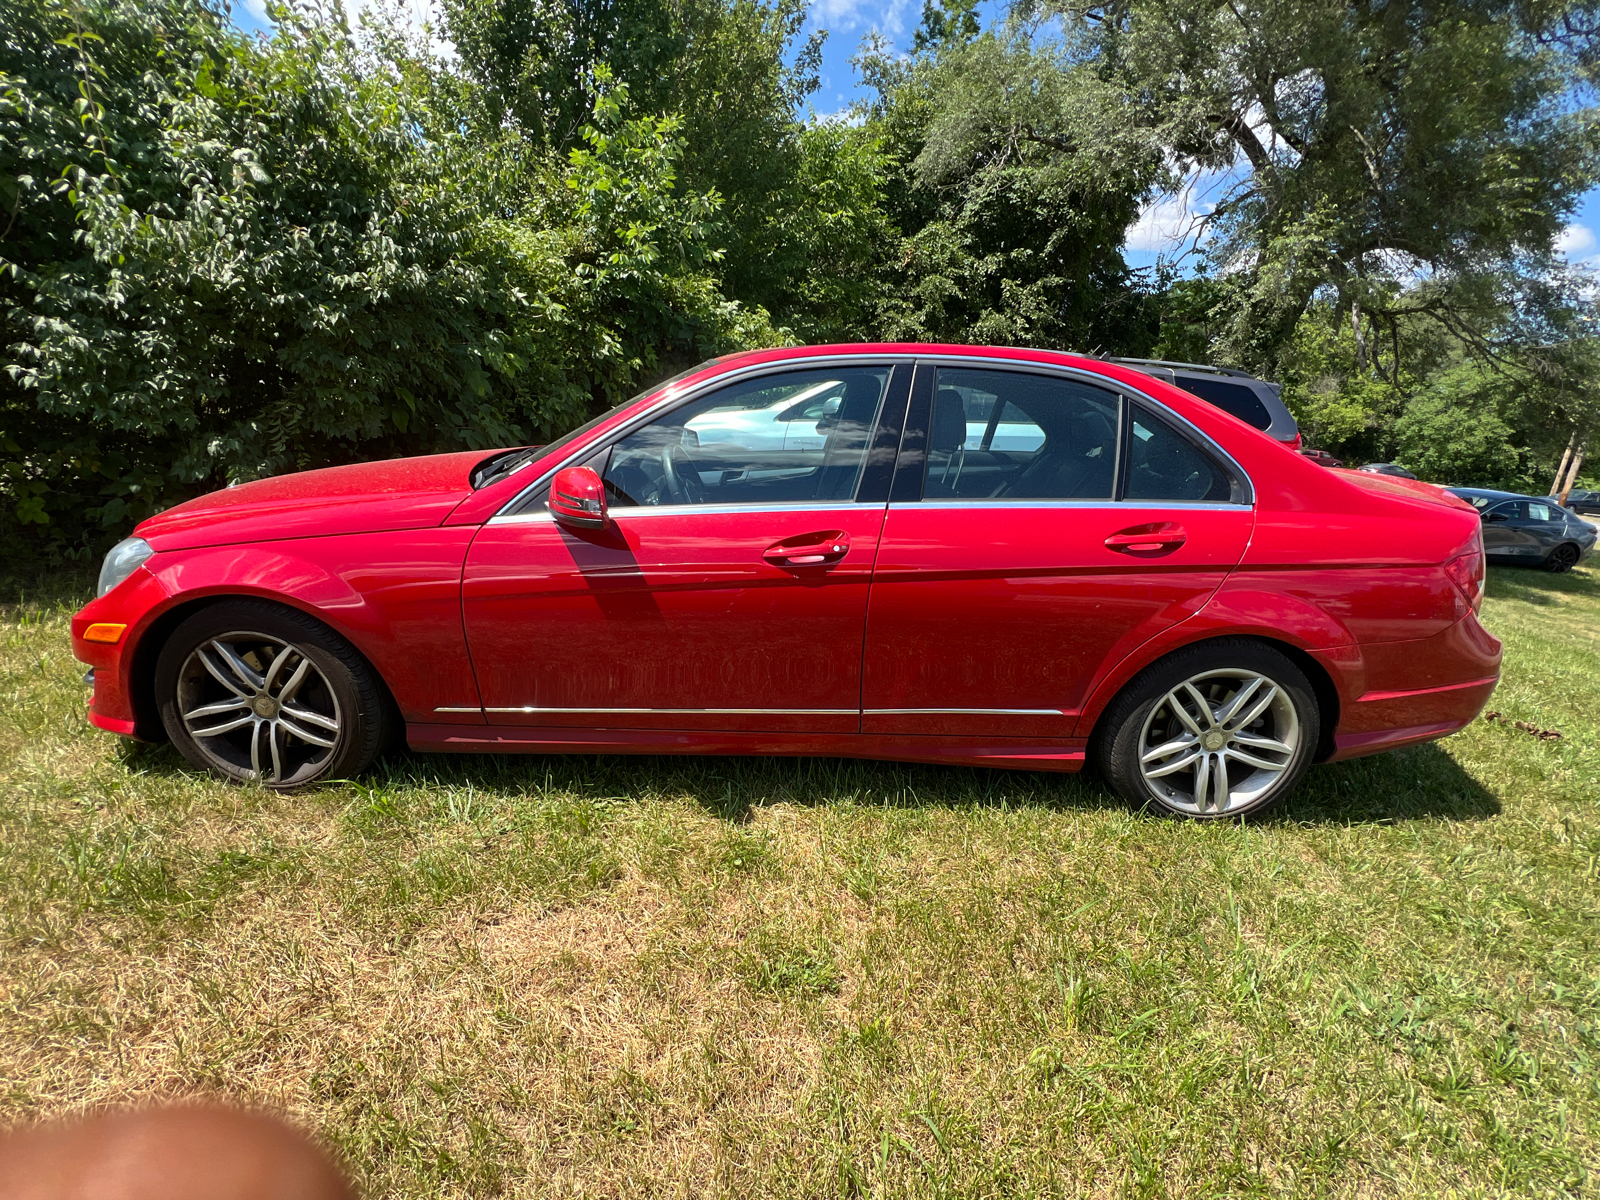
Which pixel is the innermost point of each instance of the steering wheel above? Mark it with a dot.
(683, 486)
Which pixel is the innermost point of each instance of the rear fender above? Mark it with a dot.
(1312, 636)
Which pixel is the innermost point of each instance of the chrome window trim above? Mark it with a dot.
(662, 510)
(1114, 505)
(670, 399)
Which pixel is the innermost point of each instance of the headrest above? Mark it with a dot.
(949, 430)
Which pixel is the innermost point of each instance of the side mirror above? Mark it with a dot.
(578, 498)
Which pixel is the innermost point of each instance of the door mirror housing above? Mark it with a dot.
(578, 498)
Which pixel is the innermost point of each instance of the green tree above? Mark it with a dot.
(717, 65)
(230, 259)
(1434, 144)
(1012, 176)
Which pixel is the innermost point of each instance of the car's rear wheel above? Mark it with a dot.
(1221, 730)
(263, 694)
(1562, 559)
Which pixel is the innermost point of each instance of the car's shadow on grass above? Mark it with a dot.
(1420, 783)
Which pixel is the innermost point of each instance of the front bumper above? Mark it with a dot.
(135, 602)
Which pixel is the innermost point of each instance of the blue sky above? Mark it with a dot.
(1160, 231)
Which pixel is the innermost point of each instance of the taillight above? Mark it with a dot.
(1466, 571)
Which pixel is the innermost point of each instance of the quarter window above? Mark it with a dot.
(1165, 465)
(789, 437)
(1003, 435)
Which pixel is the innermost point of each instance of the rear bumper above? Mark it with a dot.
(1418, 691)
(1387, 721)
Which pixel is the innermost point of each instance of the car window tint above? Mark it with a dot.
(1540, 512)
(1165, 465)
(1236, 398)
(783, 438)
(1511, 510)
(1011, 435)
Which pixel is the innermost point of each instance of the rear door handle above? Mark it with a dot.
(809, 549)
(1160, 537)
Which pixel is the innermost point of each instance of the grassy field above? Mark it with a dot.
(660, 977)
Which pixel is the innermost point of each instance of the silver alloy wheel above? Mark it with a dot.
(1218, 741)
(259, 707)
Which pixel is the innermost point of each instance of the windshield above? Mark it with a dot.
(508, 462)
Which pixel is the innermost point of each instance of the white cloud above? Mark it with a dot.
(257, 9)
(1576, 242)
(843, 16)
(1175, 222)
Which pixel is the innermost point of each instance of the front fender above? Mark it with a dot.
(395, 596)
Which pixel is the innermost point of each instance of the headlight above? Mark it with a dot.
(122, 560)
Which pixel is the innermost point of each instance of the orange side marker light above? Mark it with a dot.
(105, 631)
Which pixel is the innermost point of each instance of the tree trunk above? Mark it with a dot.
(1566, 457)
(1572, 475)
(1361, 340)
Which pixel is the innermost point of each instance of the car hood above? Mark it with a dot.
(373, 497)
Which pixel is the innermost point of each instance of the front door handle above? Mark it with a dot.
(809, 549)
(1160, 537)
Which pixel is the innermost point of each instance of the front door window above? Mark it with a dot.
(795, 437)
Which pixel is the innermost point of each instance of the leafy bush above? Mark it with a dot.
(228, 259)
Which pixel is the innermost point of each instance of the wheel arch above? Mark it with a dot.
(147, 653)
(1322, 685)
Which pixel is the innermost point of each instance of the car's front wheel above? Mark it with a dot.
(1225, 729)
(263, 694)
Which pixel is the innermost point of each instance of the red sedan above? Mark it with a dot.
(946, 554)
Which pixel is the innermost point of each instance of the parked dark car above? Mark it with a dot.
(1254, 401)
(1529, 530)
(1322, 458)
(1582, 502)
(1394, 469)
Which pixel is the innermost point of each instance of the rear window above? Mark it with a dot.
(1236, 398)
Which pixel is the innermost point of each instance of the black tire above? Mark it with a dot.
(329, 718)
(1562, 559)
(1141, 721)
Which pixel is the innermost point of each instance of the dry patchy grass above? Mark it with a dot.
(642, 977)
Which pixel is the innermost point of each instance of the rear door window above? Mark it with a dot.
(1540, 512)
(1010, 435)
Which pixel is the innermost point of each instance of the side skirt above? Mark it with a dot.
(1019, 754)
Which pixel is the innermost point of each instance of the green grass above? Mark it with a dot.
(652, 977)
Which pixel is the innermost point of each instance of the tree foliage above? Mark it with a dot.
(223, 257)
(229, 259)
(1431, 143)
